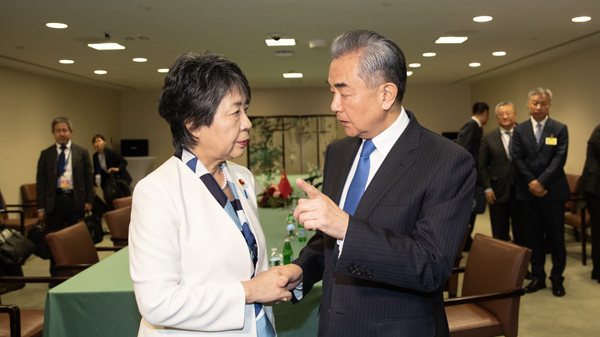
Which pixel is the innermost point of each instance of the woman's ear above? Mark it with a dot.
(389, 92)
(190, 127)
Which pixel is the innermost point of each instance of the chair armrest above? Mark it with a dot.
(457, 270)
(109, 248)
(483, 298)
(71, 267)
(14, 314)
(21, 218)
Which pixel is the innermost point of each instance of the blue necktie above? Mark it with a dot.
(359, 181)
(61, 161)
(538, 134)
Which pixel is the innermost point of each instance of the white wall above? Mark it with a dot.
(29, 103)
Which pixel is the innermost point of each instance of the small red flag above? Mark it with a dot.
(284, 186)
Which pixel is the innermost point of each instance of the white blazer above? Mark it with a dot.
(187, 257)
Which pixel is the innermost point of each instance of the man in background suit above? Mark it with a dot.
(382, 255)
(499, 175)
(539, 148)
(64, 180)
(590, 185)
(469, 137)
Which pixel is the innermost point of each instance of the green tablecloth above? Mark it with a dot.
(100, 302)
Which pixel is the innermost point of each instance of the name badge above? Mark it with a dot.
(551, 141)
(65, 183)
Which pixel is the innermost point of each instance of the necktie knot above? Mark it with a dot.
(368, 148)
(63, 147)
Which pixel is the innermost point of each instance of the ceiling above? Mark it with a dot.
(529, 31)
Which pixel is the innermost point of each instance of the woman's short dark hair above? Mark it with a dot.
(194, 87)
(98, 136)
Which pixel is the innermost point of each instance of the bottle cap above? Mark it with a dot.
(287, 239)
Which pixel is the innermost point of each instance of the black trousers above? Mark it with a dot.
(593, 202)
(502, 214)
(546, 217)
(64, 214)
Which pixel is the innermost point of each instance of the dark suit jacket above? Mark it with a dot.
(590, 178)
(400, 244)
(47, 177)
(469, 137)
(541, 161)
(495, 169)
(113, 159)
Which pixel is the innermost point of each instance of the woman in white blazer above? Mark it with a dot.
(197, 252)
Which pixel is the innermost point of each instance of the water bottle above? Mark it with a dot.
(275, 259)
(288, 253)
(291, 225)
(301, 233)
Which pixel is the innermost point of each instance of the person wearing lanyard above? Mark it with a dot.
(197, 252)
(64, 180)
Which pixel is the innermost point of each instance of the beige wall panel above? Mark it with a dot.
(29, 103)
(573, 79)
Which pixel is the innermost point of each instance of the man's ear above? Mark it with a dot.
(189, 126)
(389, 92)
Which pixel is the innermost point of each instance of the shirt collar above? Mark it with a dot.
(386, 140)
(477, 120)
(503, 130)
(543, 122)
(59, 145)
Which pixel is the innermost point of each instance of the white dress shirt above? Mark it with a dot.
(383, 144)
(534, 124)
(65, 182)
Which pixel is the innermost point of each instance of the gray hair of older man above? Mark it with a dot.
(503, 104)
(62, 120)
(540, 91)
(381, 61)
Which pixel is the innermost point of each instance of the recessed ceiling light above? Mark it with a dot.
(163, 70)
(483, 18)
(474, 64)
(429, 54)
(408, 73)
(280, 42)
(56, 25)
(66, 61)
(451, 39)
(414, 65)
(581, 19)
(140, 59)
(106, 46)
(100, 72)
(499, 53)
(292, 75)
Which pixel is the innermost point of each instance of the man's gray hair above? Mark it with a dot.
(503, 103)
(62, 120)
(381, 60)
(540, 91)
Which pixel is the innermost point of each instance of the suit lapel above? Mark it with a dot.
(397, 162)
(346, 157)
(498, 143)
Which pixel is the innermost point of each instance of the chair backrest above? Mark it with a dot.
(29, 196)
(72, 245)
(573, 180)
(118, 224)
(122, 202)
(496, 266)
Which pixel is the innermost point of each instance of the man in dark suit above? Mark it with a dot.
(64, 180)
(469, 137)
(499, 175)
(539, 148)
(590, 185)
(383, 255)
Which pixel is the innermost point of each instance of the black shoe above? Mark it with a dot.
(528, 275)
(534, 286)
(595, 274)
(557, 289)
